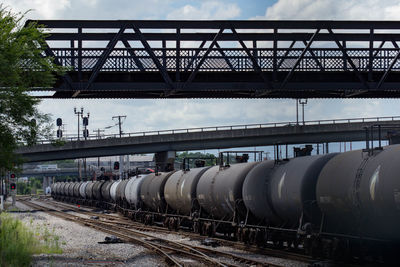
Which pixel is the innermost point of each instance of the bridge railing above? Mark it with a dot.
(70, 138)
(229, 59)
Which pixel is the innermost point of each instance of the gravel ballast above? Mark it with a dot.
(81, 248)
(80, 245)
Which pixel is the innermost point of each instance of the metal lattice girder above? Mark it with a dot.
(199, 59)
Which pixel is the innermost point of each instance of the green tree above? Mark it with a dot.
(22, 66)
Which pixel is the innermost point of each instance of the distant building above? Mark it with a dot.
(146, 161)
(135, 161)
(23, 179)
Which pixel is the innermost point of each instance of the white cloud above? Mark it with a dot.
(207, 10)
(91, 9)
(44, 9)
(334, 10)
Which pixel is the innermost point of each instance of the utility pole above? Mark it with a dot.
(119, 123)
(121, 158)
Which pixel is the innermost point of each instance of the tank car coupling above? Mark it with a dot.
(305, 229)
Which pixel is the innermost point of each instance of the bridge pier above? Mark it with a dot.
(47, 181)
(165, 160)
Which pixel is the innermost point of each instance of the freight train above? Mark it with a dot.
(338, 205)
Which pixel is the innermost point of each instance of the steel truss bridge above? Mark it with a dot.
(225, 59)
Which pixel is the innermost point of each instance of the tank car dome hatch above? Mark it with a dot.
(113, 190)
(132, 190)
(219, 189)
(180, 189)
(360, 193)
(255, 192)
(152, 191)
(292, 188)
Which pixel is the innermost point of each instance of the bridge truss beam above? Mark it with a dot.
(225, 59)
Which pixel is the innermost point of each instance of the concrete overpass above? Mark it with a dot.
(323, 131)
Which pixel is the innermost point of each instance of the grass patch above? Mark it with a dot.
(18, 243)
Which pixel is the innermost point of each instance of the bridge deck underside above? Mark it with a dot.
(245, 84)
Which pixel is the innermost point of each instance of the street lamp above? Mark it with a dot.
(303, 102)
(85, 121)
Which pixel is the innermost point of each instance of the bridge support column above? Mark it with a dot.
(394, 138)
(165, 160)
(47, 181)
(327, 148)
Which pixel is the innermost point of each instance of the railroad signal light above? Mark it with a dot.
(116, 165)
(13, 186)
(12, 176)
(59, 122)
(85, 121)
(59, 133)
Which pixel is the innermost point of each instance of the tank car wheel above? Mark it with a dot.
(277, 242)
(204, 229)
(260, 237)
(178, 224)
(245, 235)
(296, 243)
(195, 227)
(166, 222)
(170, 224)
(174, 224)
(213, 230)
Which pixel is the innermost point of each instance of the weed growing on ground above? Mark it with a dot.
(18, 242)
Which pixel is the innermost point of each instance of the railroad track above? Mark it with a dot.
(271, 252)
(164, 247)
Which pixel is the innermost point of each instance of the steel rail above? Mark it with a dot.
(116, 230)
(256, 249)
(92, 224)
(190, 250)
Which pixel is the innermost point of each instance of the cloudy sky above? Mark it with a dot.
(145, 115)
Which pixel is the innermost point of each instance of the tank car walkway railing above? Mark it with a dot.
(225, 59)
(71, 138)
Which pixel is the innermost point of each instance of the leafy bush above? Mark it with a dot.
(18, 243)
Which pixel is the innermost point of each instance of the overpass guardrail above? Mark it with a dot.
(70, 138)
